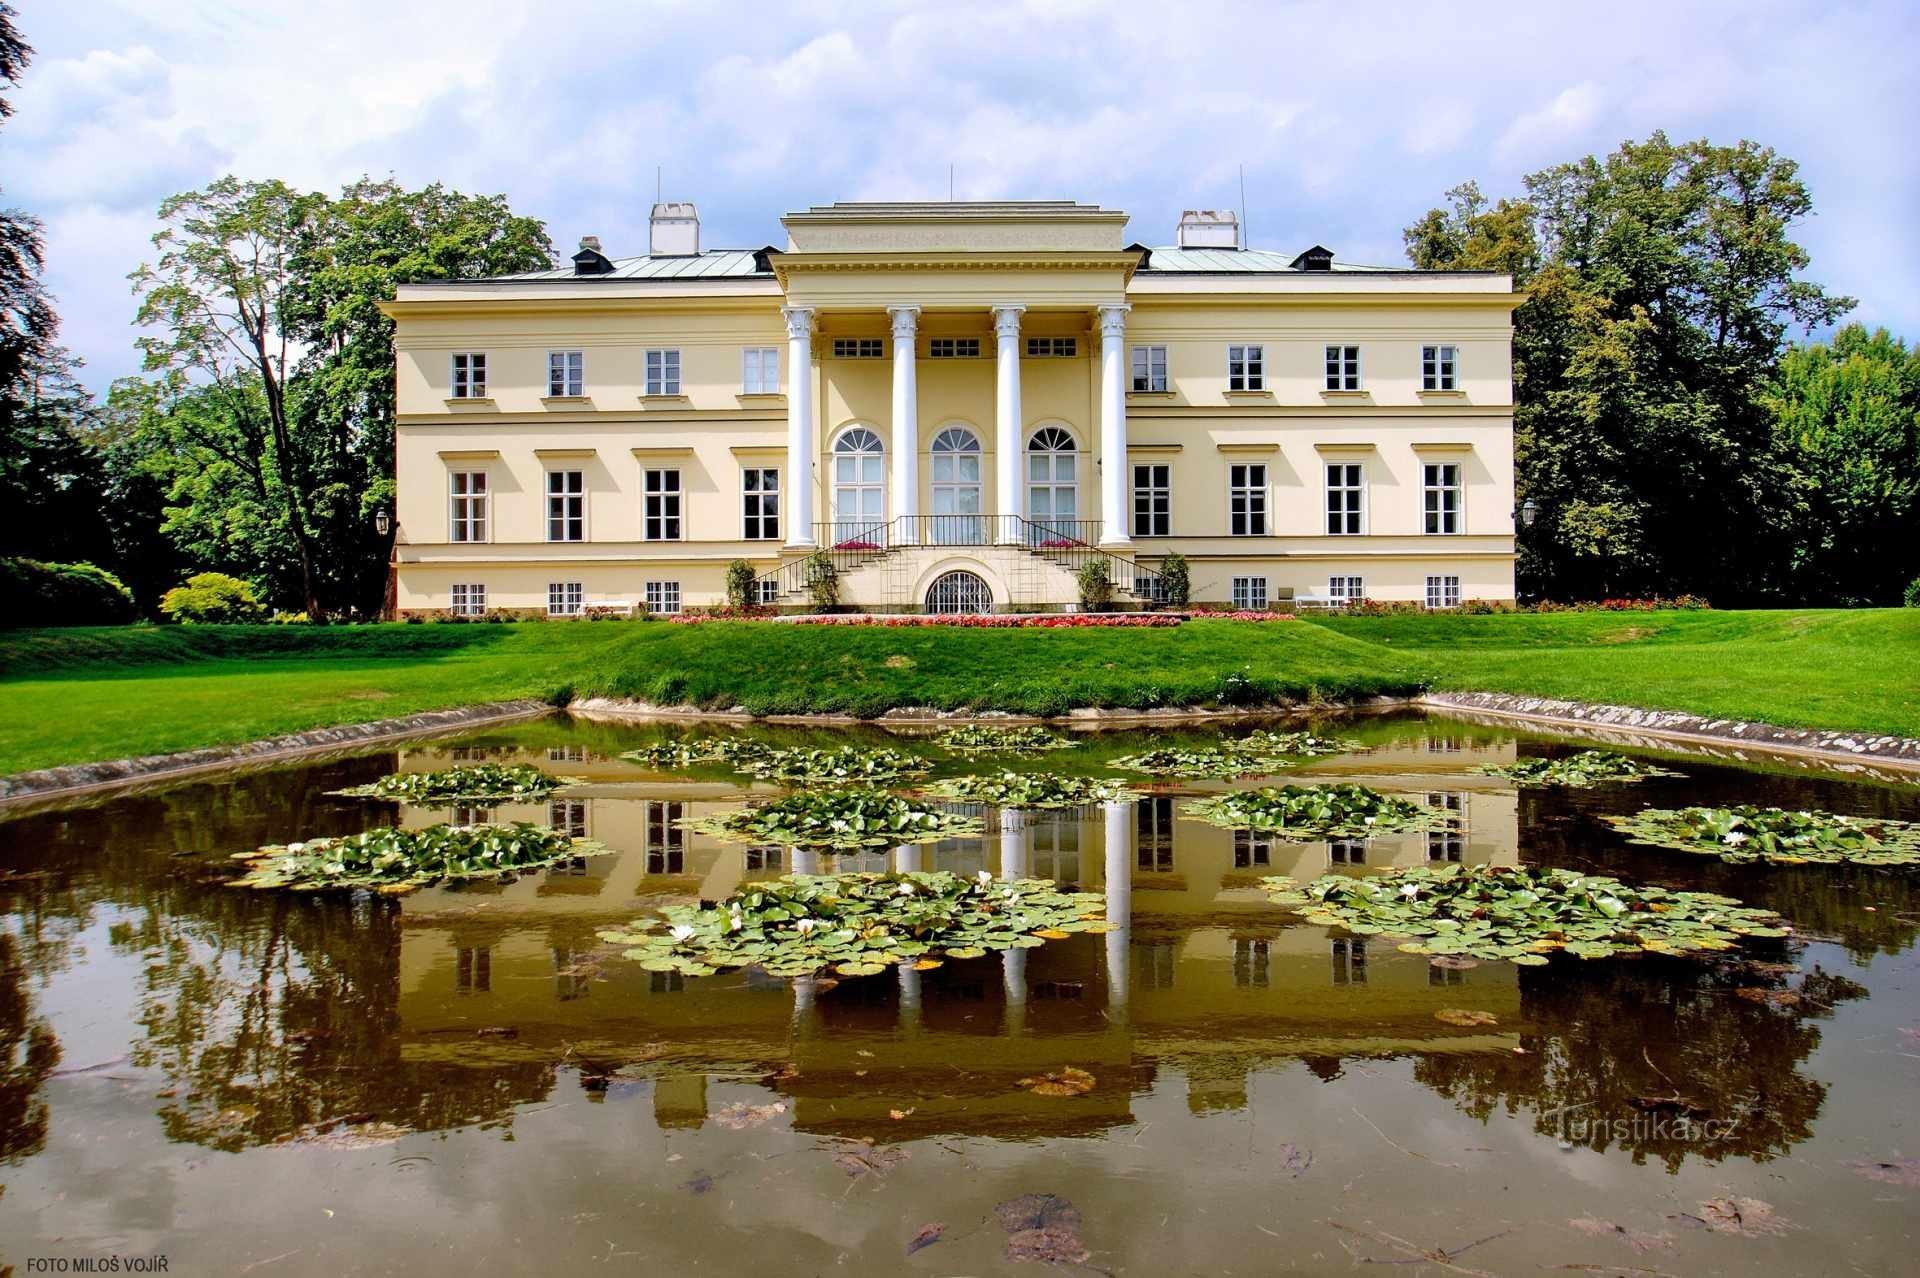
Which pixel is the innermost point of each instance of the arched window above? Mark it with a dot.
(859, 489)
(957, 504)
(1053, 486)
(958, 592)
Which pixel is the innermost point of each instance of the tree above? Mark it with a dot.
(1661, 284)
(1848, 415)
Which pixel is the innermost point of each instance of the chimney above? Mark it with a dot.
(673, 231)
(1205, 228)
(590, 260)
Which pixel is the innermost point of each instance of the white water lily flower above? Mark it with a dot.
(296, 847)
(905, 889)
(984, 878)
(680, 932)
(1735, 838)
(1371, 820)
(1410, 890)
(805, 926)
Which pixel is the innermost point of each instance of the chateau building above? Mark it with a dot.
(958, 407)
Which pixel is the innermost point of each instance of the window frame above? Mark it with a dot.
(566, 518)
(753, 504)
(660, 598)
(1154, 358)
(1252, 497)
(759, 370)
(1353, 511)
(1053, 347)
(1446, 588)
(1437, 517)
(455, 518)
(657, 521)
(462, 380)
(859, 348)
(766, 591)
(572, 596)
(1159, 498)
(567, 379)
(1243, 591)
(467, 598)
(1246, 368)
(953, 348)
(662, 365)
(1439, 367)
(1350, 375)
(1346, 589)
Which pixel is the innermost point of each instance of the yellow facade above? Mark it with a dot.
(898, 320)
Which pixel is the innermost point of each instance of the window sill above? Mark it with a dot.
(1346, 394)
(478, 401)
(566, 401)
(663, 401)
(1441, 394)
(1249, 394)
(1159, 394)
(762, 397)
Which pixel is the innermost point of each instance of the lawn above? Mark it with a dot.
(79, 695)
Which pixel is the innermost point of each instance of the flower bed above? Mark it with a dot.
(480, 782)
(859, 924)
(1029, 790)
(843, 820)
(1312, 812)
(394, 860)
(1577, 771)
(1523, 913)
(1746, 834)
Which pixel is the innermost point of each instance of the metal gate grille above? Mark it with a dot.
(958, 592)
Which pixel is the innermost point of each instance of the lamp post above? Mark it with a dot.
(389, 591)
(1528, 512)
(382, 521)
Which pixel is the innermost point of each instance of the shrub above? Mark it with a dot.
(1176, 580)
(33, 593)
(1096, 585)
(823, 582)
(740, 584)
(1912, 597)
(212, 597)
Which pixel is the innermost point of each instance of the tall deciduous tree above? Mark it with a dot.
(1661, 285)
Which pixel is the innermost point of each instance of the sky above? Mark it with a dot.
(1350, 119)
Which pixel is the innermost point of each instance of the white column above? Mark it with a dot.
(800, 447)
(906, 424)
(1113, 425)
(1015, 859)
(1007, 420)
(1121, 832)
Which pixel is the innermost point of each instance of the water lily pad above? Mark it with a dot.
(1746, 834)
(475, 783)
(1030, 790)
(847, 820)
(982, 738)
(390, 858)
(1576, 771)
(1312, 812)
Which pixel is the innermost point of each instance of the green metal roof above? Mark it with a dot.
(1219, 261)
(712, 264)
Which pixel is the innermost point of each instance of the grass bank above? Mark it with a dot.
(69, 696)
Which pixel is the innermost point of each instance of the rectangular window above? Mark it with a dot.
(953, 348)
(469, 600)
(1149, 368)
(1152, 501)
(1052, 347)
(1350, 960)
(1347, 852)
(468, 506)
(662, 498)
(1342, 591)
(859, 348)
(1250, 593)
(569, 816)
(1247, 500)
(1346, 499)
(766, 591)
(1343, 368)
(566, 374)
(1443, 592)
(564, 598)
(1246, 368)
(566, 505)
(760, 503)
(1440, 482)
(1437, 368)
(470, 375)
(663, 372)
(760, 370)
(1447, 837)
(663, 597)
(665, 840)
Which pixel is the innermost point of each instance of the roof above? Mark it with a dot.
(711, 264)
(1170, 260)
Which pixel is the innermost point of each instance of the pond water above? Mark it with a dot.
(467, 1079)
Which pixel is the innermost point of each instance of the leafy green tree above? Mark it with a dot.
(1661, 283)
(1848, 414)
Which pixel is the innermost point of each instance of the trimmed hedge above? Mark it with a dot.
(33, 593)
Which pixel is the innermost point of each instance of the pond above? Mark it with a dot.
(469, 1078)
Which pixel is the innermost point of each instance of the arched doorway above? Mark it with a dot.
(859, 490)
(959, 592)
(1053, 484)
(956, 489)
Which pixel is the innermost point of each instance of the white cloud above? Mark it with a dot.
(1348, 124)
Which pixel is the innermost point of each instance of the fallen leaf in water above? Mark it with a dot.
(740, 1115)
(497, 1031)
(1745, 1217)
(1052, 934)
(1634, 1238)
(1899, 1171)
(1775, 998)
(1464, 1017)
(926, 965)
(1295, 1160)
(1452, 962)
(927, 1236)
(1676, 1105)
(1067, 1081)
(339, 1136)
(863, 1158)
(699, 1183)
(1048, 1246)
(1036, 1211)
(898, 1114)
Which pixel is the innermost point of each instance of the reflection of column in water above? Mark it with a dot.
(1013, 974)
(906, 859)
(909, 997)
(1121, 832)
(1016, 861)
(806, 861)
(803, 1013)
